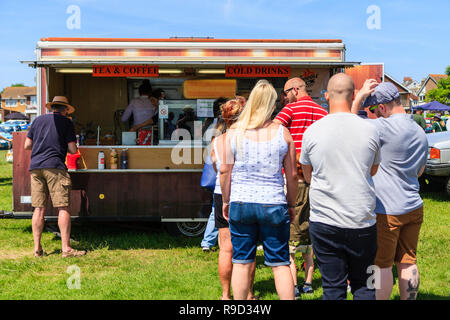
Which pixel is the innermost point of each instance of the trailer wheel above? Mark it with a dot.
(188, 229)
(447, 186)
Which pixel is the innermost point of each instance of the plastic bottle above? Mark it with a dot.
(113, 159)
(124, 159)
(82, 137)
(101, 160)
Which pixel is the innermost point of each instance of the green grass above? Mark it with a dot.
(138, 264)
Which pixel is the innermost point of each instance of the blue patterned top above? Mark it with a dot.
(256, 175)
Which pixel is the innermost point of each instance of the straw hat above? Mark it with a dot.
(62, 101)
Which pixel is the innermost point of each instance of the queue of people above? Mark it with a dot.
(337, 186)
(351, 196)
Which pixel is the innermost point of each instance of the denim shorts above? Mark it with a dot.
(250, 222)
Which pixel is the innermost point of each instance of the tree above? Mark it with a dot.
(17, 85)
(447, 71)
(441, 93)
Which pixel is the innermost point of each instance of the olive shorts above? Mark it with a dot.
(53, 182)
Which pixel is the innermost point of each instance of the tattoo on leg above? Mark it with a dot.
(413, 286)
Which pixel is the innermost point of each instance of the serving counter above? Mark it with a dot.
(161, 184)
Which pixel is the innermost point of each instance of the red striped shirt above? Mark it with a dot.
(298, 116)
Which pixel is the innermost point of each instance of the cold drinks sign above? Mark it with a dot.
(124, 71)
(258, 71)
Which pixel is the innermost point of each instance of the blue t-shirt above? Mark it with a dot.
(404, 149)
(50, 134)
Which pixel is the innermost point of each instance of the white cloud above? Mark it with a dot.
(228, 8)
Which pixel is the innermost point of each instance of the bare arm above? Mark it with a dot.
(307, 172)
(366, 90)
(374, 169)
(421, 171)
(290, 171)
(141, 125)
(28, 144)
(278, 121)
(72, 147)
(226, 167)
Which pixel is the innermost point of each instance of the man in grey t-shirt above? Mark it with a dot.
(340, 154)
(399, 206)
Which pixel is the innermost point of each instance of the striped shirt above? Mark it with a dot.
(298, 116)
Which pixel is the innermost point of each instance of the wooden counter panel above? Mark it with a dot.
(166, 195)
(143, 158)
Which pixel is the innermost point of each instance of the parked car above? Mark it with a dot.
(4, 144)
(437, 168)
(23, 124)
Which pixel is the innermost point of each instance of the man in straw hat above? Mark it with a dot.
(50, 137)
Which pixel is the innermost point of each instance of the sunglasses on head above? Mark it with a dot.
(372, 108)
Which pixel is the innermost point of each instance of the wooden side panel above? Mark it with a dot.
(21, 176)
(21, 182)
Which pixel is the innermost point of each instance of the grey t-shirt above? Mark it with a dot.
(404, 149)
(342, 148)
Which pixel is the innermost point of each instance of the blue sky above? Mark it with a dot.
(413, 39)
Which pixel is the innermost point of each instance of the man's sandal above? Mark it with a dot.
(39, 254)
(73, 253)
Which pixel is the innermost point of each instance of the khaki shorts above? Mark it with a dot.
(53, 182)
(398, 237)
(300, 225)
(295, 246)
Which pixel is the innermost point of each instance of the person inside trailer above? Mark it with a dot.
(141, 108)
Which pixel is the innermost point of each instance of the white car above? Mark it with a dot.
(438, 163)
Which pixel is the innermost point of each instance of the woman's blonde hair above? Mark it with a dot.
(258, 109)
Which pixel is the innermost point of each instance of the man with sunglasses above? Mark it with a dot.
(300, 112)
(399, 207)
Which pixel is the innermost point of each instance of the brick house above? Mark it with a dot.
(19, 99)
(430, 83)
(406, 96)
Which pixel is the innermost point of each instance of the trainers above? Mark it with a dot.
(296, 293)
(206, 249)
(307, 289)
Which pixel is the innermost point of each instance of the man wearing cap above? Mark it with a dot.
(399, 207)
(418, 118)
(50, 137)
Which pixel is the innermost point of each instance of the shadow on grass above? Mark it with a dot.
(439, 196)
(5, 181)
(94, 236)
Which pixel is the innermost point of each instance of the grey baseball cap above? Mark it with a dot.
(385, 92)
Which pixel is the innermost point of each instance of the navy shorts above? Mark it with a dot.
(250, 222)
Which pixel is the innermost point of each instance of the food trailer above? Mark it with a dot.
(162, 180)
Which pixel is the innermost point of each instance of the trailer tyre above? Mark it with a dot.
(447, 186)
(188, 229)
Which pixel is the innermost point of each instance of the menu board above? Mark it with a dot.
(205, 108)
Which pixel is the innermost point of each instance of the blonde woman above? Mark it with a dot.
(252, 184)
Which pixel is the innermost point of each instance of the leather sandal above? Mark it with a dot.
(39, 254)
(73, 253)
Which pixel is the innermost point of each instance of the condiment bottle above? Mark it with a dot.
(113, 159)
(101, 160)
(124, 159)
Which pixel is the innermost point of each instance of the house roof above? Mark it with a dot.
(397, 83)
(437, 77)
(18, 92)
